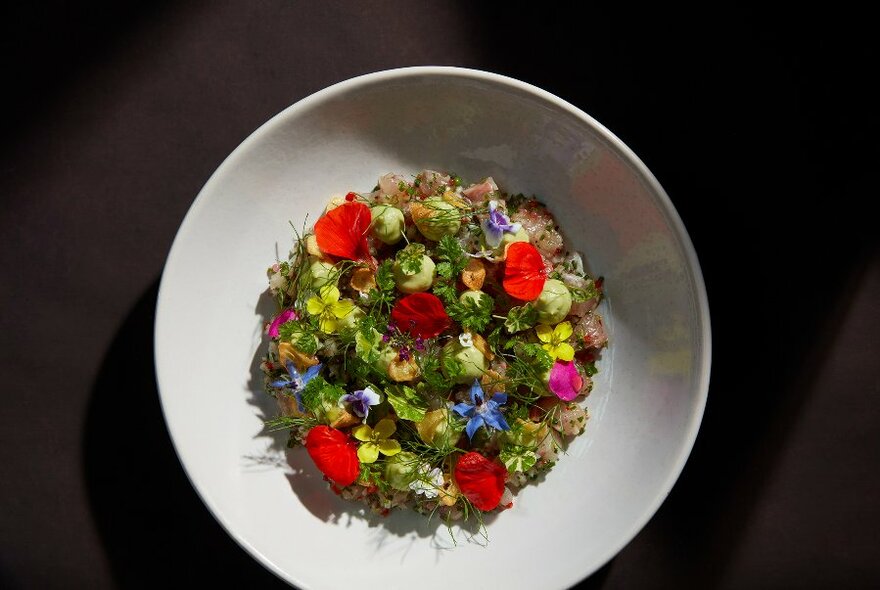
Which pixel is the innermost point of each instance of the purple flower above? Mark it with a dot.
(495, 226)
(482, 412)
(565, 381)
(296, 382)
(360, 401)
(282, 318)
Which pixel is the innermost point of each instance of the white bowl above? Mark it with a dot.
(648, 397)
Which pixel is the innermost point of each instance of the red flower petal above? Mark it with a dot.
(420, 314)
(334, 454)
(480, 480)
(343, 231)
(524, 271)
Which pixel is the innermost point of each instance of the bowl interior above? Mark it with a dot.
(647, 400)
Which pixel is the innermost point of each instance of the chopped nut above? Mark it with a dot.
(345, 420)
(474, 274)
(492, 382)
(287, 405)
(400, 370)
(483, 346)
(418, 211)
(363, 279)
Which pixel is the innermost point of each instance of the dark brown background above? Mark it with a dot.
(762, 128)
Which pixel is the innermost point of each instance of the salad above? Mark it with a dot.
(432, 344)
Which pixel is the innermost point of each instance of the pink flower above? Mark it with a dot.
(565, 381)
(282, 318)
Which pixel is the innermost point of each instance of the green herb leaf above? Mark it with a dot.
(521, 318)
(449, 250)
(528, 367)
(301, 334)
(432, 376)
(406, 402)
(585, 294)
(318, 393)
(494, 339)
(385, 276)
(410, 258)
(473, 313)
(590, 369)
(452, 368)
(518, 459)
(444, 270)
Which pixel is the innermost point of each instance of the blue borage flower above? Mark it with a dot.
(496, 224)
(482, 412)
(360, 401)
(296, 382)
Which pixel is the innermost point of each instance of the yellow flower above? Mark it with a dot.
(329, 309)
(376, 440)
(555, 340)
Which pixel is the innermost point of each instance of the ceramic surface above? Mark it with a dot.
(648, 398)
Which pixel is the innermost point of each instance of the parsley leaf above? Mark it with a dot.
(318, 394)
(473, 313)
(444, 270)
(383, 296)
(449, 250)
(446, 292)
(385, 276)
(432, 376)
(452, 368)
(410, 258)
(301, 335)
(451, 261)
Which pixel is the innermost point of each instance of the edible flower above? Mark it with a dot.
(342, 231)
(429, 482)
(296, 382)
(482, 412)
(495, 226)
(376, 440)
(554, 340)
(480, 480)
(420, 314)
(360, 401)
(329, 309)
(565, 381)
(282, 318)
(333, 453)
(524, 272)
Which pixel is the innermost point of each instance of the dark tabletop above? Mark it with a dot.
(762, 128)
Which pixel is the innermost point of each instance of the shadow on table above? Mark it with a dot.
(781, 241)
(154, 527)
